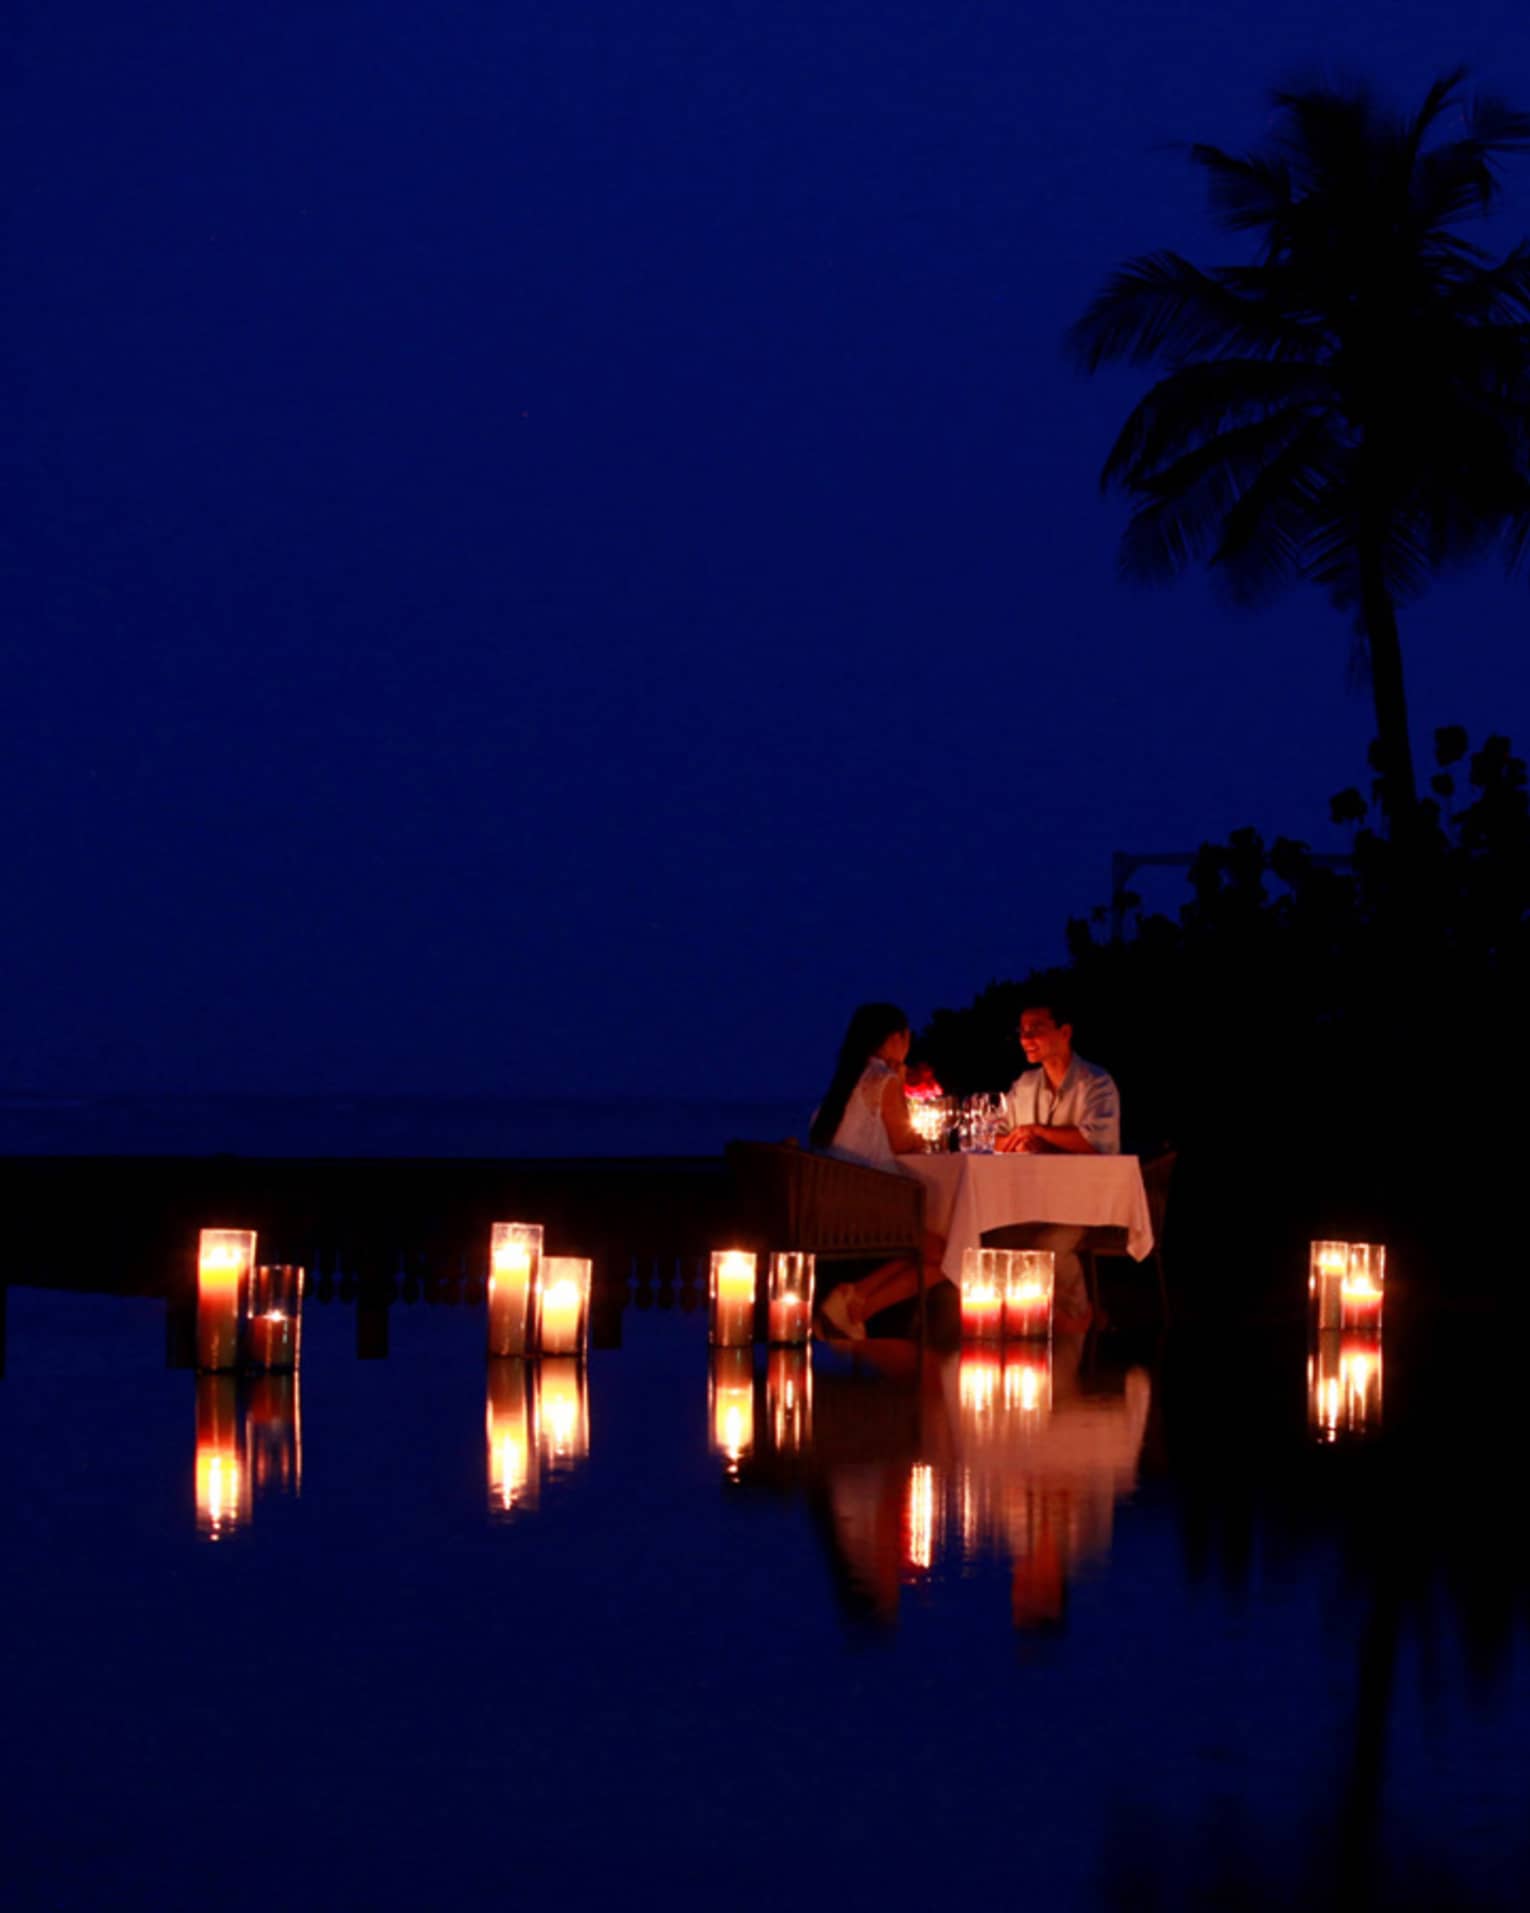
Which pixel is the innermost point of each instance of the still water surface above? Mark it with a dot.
(1164, 1627)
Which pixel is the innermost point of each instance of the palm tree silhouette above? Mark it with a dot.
(1350, 408)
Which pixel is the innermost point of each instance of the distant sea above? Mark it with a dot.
(385, 1126)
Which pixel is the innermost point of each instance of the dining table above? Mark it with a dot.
(968, 1194)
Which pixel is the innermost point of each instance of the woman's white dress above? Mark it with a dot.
(862, 1132)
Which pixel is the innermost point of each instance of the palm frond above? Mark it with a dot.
(1265, 537)
(1160, 307)
(1199, 401)
(1352, 399)
(1434, 103)
(1488, 295)
(1185, 505)
(1245, 192)
(1496, 125)
(1352, 534)
(1452, 182)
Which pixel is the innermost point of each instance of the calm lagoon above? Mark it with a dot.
(1141, 1626)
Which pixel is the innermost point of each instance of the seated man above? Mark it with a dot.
(1060, 1105)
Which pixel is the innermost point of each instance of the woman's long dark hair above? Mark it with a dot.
(869, 1029)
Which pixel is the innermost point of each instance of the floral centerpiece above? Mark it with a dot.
(929, 1107)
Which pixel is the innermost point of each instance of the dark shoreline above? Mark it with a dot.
(128, 1224)
(1239, 1224)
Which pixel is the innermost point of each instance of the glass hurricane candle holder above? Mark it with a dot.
(225, 1260)
(515, 1258)
(222, 1482)
(273, 1339)
(510, 1457)
(732, 1291)
(1029, 1280)
(789, 1400)
(1360, 1291)
(982, 1297)
(1327, 1265)
(563, 1304)
(930, 1117)
(731, 1404)
(790, 1307)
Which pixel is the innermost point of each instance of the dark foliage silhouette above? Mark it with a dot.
(1307, 1023)
(1347, 408)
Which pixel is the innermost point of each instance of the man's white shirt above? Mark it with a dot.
(1086, 1099)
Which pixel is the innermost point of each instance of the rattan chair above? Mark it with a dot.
(788, 1198)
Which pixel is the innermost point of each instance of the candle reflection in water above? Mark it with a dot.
(1344, 1380)
(222, 1484)
(562, 1418)
(922, 1510)
(511, 1462)
(789, 1400)
(980, 1384)
(225, 1259)
(732, 1404)
(273, 1435)
(1027, 1387)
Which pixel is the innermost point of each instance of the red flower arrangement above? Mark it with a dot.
(920, 1084)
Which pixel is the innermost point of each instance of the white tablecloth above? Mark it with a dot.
(968, 1194)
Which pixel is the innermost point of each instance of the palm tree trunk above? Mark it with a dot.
(1399, 791)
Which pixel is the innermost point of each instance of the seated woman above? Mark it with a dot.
(864, 1118)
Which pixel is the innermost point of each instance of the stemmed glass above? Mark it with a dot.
(978, 1125)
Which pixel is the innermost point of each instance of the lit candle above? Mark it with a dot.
(515, 1252)
(512, 1479)
(1360, 1291)
(222, 1485)
(225, 1258)
(1028, 1284)
(791, 1298)
(982, 1296)
(276, 1300)
(789, 1399)
(1327, 1266)
(733, 1286)
(563, 1298)
(562, 1413)
(732, 1404)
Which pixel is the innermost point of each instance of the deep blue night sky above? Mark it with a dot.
(554, 546)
